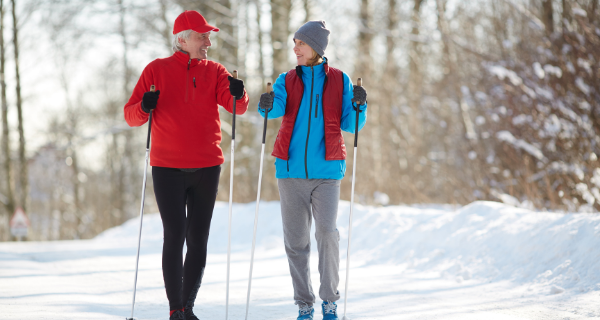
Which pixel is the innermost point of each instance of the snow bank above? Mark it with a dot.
(488, 241)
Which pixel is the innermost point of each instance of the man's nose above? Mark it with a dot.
(208, 43)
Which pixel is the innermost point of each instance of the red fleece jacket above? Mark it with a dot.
(186, 128)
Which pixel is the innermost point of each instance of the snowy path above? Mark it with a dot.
(483, 261)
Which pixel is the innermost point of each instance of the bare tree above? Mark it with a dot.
(307, 10)
(259, 33)
(9, 204)
(280, 18)
(547, 15)
(23, 176)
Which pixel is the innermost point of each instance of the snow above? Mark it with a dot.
(502, 73)
(520, 144)
(486, 260)
(582, 86)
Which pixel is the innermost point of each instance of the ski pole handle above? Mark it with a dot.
(152, 89)
(269, 90)
(358, 103)
(359, 83)
(235, 74)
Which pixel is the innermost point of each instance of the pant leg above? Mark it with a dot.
(296, 217)
(169, 190)
(202, 193)
(325, 198)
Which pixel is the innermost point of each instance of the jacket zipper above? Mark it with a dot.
(317, 106)
(187, 78)
(194, 80)
(312, 74)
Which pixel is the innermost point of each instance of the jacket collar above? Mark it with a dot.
(318, 69)
(184, 58)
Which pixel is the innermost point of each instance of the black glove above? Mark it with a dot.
(149, 101)
(360, 94)
(236, 87)
(266, 101)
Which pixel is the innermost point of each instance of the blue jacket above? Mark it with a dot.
(318, 167)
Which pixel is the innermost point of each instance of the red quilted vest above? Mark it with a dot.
(335, 148)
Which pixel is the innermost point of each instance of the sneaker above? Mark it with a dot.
(306, 312)
(177, 315)
(329, 309)
(189, 314)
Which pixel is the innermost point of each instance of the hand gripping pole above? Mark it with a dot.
(235, 75)
(262, 155)
(358, 104)
(137, 260)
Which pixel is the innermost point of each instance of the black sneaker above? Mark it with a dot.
(189, 314)
(177, 315)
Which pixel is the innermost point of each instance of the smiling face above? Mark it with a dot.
(304, 53)
(197, 45)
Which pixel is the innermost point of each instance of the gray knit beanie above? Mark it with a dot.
(315, 34)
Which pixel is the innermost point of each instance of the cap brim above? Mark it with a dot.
(205, 28)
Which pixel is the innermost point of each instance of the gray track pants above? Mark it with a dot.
(298, 196)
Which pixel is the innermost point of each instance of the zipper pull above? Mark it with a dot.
(189, 62)
(194, 79)
(317, 106)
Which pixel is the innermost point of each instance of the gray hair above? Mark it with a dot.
(184, 35)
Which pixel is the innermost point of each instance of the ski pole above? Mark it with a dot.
(262, 155)
(235, 75)
(137, 260)
(358, 104)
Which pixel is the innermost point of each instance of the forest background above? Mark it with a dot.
(468, 100)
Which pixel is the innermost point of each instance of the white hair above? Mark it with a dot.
(184, 35)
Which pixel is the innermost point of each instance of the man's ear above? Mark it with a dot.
(181, 40)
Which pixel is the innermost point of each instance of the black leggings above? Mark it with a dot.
(174, 189)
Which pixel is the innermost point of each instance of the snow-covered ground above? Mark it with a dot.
(483, 261)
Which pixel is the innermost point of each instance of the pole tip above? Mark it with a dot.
(152, 88)
(235, 74)
(269, 87)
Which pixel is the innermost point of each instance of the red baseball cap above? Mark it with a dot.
(193, 20)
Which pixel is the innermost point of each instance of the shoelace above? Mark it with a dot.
(305, 309)
(330, 308)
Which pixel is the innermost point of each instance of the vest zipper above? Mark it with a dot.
(312, 74)
(317, 106)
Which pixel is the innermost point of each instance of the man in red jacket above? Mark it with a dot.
(185, 157)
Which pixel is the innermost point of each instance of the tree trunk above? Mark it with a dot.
(280, 17)
(307, 10)
(566, 13)
(593, 11)
(166, 31)
(547, 16)
(261, 64)
(228, 37)
(8, 185)
(416, 78)
(24, 184)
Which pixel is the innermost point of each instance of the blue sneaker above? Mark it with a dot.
(306, 312)
(329, 310)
